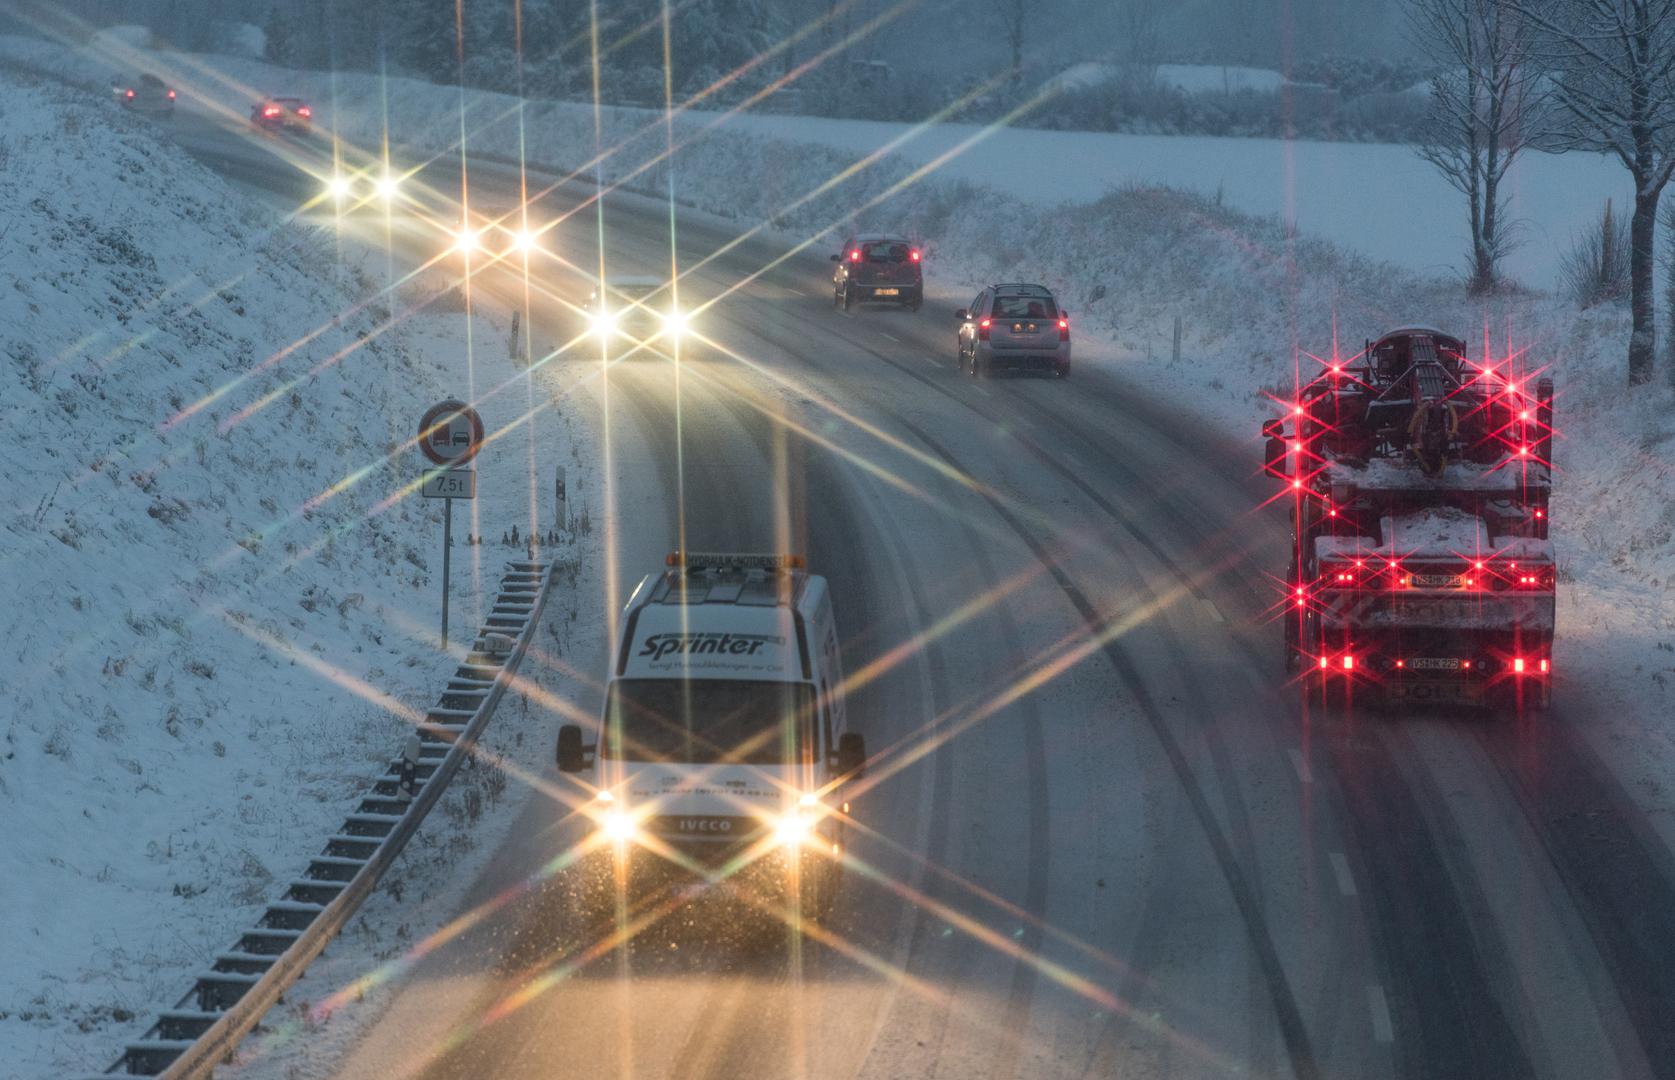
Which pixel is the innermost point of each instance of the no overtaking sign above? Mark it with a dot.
(450, 433)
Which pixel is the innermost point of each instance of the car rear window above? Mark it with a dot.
(882, 252)
(1025, 307)
(150, 80)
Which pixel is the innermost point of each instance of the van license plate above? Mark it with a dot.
(886, 292)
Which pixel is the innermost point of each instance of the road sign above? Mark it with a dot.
(450, 484)
(450, 433)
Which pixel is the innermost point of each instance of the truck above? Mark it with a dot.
(1419, 484)
(724, 763)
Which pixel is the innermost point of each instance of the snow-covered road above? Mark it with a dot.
(1125, 850)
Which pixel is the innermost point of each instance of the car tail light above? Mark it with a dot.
(305, 111)
(982, 329)
(271, 110)
(914, 255)
(855, 256)
(130, 93)
(1064, 329)
(171, 95)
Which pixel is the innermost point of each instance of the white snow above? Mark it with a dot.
(1127, 261)
(1219, 79)
(217, 618)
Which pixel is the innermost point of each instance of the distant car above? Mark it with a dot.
(637, 309)
(878, 266)
(147, 94)
(282, 114)
(1014, 327)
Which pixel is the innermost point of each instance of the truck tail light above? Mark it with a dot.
(1349, 661)
(1544, 667)
(1517, 665)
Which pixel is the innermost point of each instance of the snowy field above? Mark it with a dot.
(217, 623)
(1379, 200)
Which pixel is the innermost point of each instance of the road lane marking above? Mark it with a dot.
(1301, 764)
(981, 390)
(795, 292)
(1340, 870)
(891, 336)
(1382, 1031)
(931, 360)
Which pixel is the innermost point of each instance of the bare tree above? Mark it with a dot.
(1142, 24)
(1613, 64)
(1483, 107)
(1013, 16)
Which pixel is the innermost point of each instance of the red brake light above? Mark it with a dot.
(1518, 665)
(1322, 663)
(855, 256)
(1064, 329)
(171, 95)
(914, 254)
(305, 111)
(982, 329)
(130, 93)
(1544, 667)
(1348, 662)
(271, 110)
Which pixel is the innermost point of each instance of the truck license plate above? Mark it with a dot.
(1435, 663)
(1435, 581)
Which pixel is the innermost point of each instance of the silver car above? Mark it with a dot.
(1016, 328)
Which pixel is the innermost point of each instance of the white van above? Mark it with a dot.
(724, 747)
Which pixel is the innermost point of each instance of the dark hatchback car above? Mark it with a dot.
(282, 114)
(878, 267)
(147, 93)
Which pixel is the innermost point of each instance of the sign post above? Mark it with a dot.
(450, 434)
(559, 499)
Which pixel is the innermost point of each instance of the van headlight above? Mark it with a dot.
(618, 825)
(604, 324)
(674, 324)
(793, 829)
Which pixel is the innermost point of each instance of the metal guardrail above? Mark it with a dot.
(207, 1024)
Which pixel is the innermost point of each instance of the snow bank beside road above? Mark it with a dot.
(203, 630)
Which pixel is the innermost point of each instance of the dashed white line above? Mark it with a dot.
(981, 390)
(891, 336)
(931, 360)
(1301, 764)
(795, 292)
(1382, 1031)
(1340, 870)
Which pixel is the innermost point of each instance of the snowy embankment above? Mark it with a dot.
(215, 621)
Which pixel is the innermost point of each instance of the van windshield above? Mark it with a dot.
(707, 721)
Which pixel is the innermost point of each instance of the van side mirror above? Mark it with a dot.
(962, 315)
(851, 758)
(837, 258)
(573, 757)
